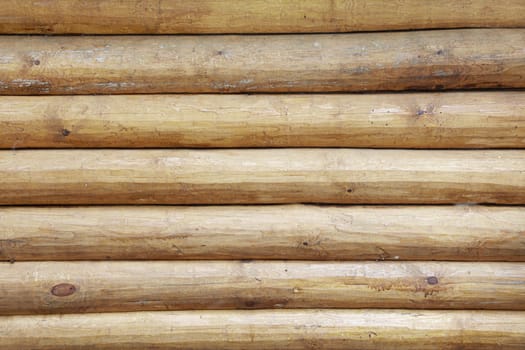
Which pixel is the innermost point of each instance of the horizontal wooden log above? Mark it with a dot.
(264, 232)
(434, 60)
(72, 287)
(432, 120)
(261, 176)
(269, 329)
(255, 16)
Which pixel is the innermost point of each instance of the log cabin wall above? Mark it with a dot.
(213, 174)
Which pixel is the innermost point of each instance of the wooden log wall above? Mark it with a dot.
(279, 181)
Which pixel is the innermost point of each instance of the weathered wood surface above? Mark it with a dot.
(269, 329)
(254, 16)
(72, 287)
(264, 232)
(416, 120)
(435, 60)
(261, 176)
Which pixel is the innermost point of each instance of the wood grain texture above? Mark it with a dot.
(261, 176)
(269, 329)
(254, 16)
(264, 232)
(433, 60)
(417, 120)
(73, 287)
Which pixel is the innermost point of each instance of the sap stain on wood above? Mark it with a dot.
(427, 286)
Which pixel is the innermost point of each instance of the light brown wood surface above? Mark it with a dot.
(261, 176)
(254, 16)
(434, 60)
(269, 329)
(77, 287)
(194, 284)
(417, 120)
(264, 232)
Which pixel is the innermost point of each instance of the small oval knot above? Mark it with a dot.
(63, 289)
(432, 280)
